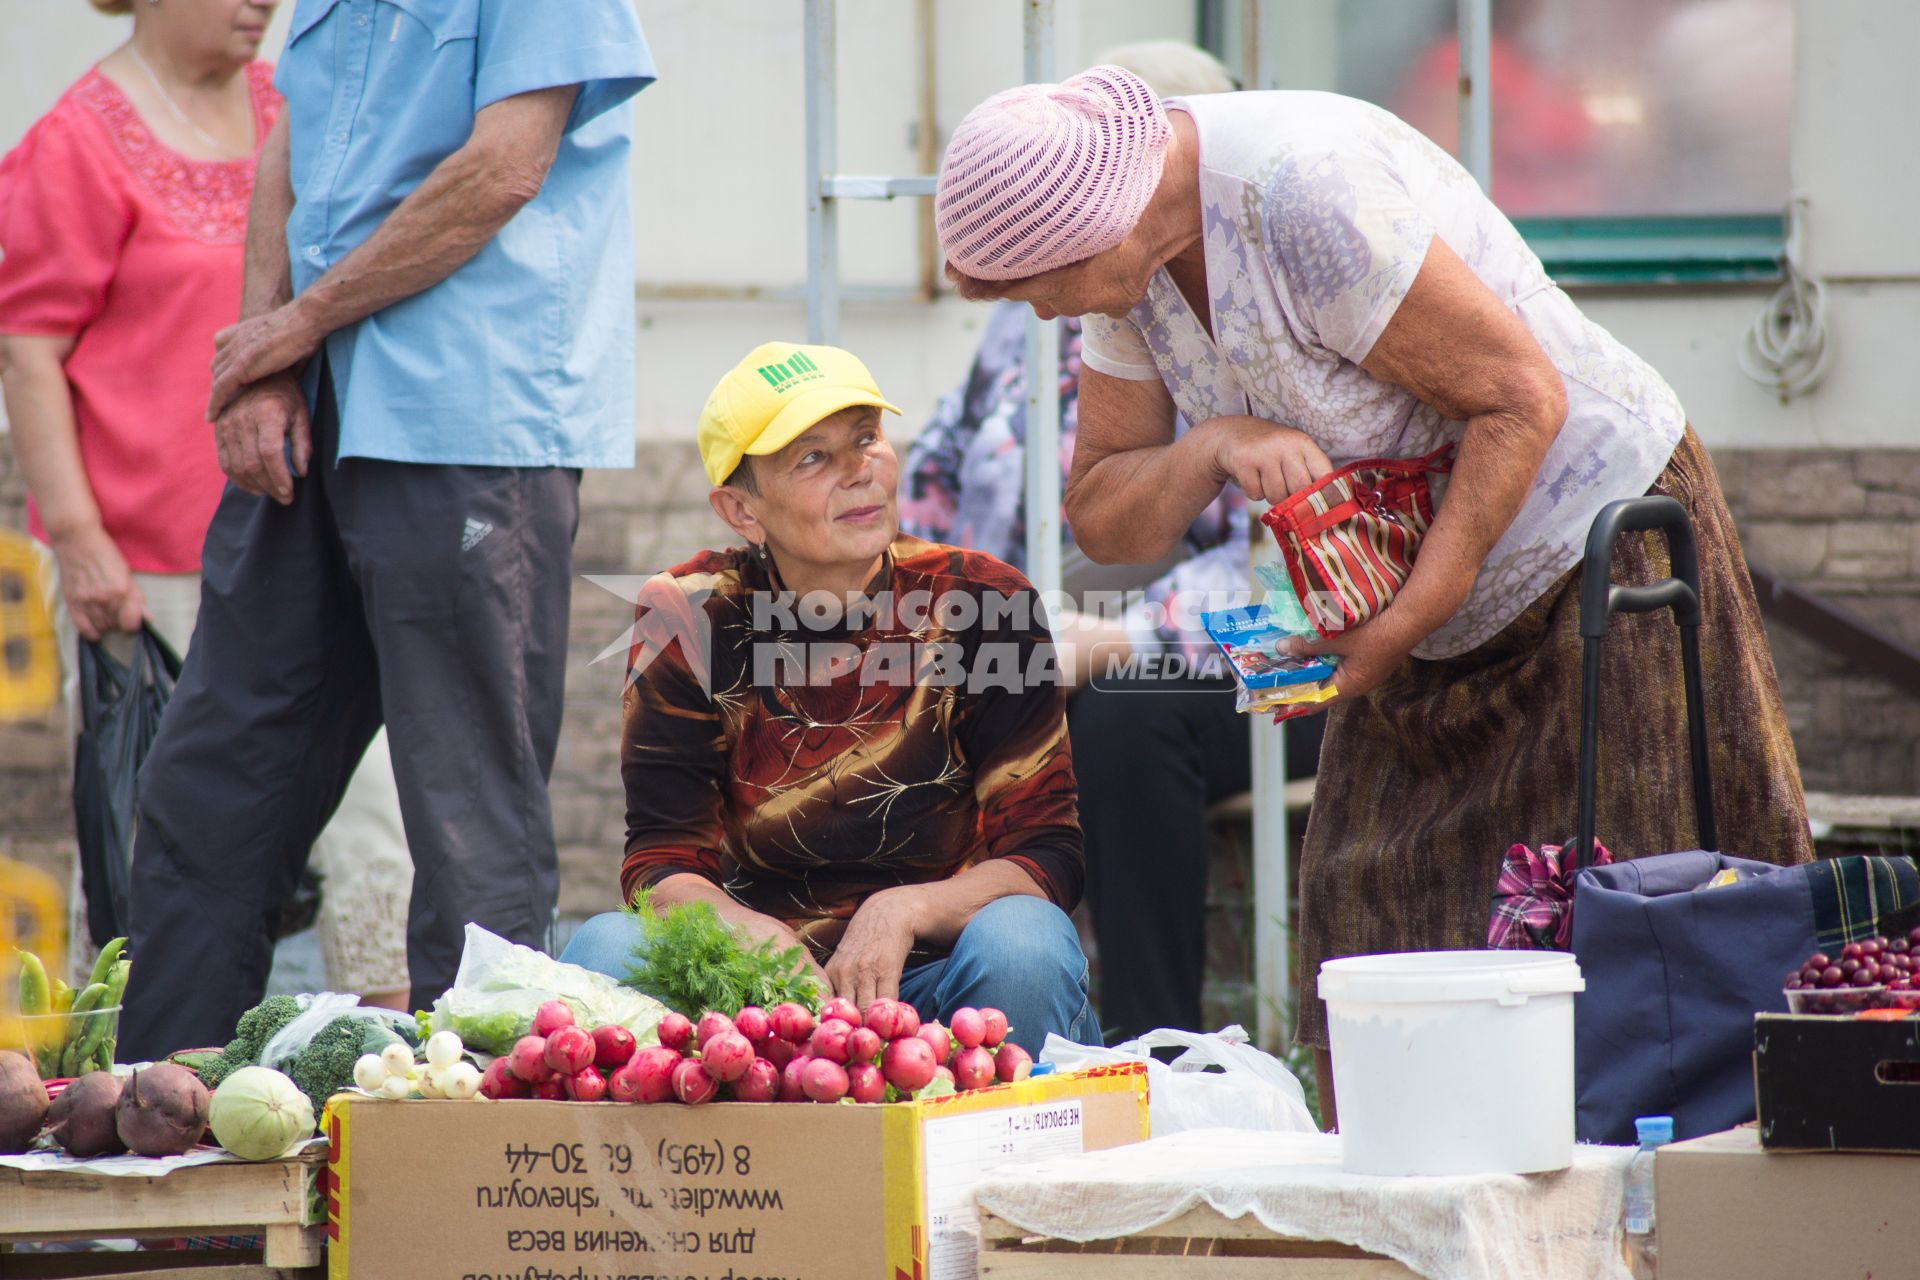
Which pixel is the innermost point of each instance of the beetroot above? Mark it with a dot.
(587, 1085)
(497, 1082)
(528, 1061)
(972, 1068)
(675, 1032)
(791, 1088)
(552, 1089)
(842, 1008)
(550, 1017)
(824, 1081)
(651, 1071)
(996, 1025)
(909, 1064)
(23, 1103)
(779, 1052)
(612, 1046)
(727, 1056)
(568, 1051)
(938, 1037)
(162, 1111)
(830, 1040)
(866, 1083)
(792, 1023)
(84, 1117)
(969, 1028)
(863, 1045)
(753, 1023)
(1012, 1063)
(711, 1024)
(760, 1084)
(692, 1084)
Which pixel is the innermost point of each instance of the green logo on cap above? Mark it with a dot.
(794, 371)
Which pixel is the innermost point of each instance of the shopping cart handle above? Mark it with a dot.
(1600, 599)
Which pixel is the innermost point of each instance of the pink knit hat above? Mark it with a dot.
(1046, 175)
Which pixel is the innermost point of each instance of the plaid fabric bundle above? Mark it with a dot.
(1349, 541)
(1852, 897)
(1533, 901)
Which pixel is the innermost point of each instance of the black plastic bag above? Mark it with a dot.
(120, 706)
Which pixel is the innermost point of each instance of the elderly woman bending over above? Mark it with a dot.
(848, 738)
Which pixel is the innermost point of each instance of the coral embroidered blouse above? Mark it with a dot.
(114, 239)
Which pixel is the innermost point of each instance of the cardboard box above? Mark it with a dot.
(1726, 1209)
(1837, 1084)
(530, 1190)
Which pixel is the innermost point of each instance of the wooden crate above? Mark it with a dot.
(277, 1199)
(1199, 1244)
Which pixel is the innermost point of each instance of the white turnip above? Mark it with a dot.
(760, 1084)
(968, 1027)
(727, 1056)
(939, 1038)
(528, 1061)
(909, 1064)
(692, 1085)
(550, 1017)
(462, 1081)
(397, 1059)
(675, 1032)
(824, 1081)
(866, 1083)
(842, 1008)
(830, 1040)
(863, 1044)
(613, 1045)
(443, 1049)
(1011, 1062)
(972, 1068)
(753, 1023)
(792, 1022)
(569, 1050)
(711, 1024)
(996, 1025)
(587, 1085)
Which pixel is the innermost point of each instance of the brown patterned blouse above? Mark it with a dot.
(827, 764)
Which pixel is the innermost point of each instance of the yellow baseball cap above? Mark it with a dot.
(770, 398)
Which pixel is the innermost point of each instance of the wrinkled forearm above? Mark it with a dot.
(45, 438)
(1134, 507)
(268, 281)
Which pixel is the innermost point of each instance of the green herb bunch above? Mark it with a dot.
(692, 961)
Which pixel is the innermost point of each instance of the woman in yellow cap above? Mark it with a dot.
(845, 737)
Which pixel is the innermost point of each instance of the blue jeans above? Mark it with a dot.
(1019, 955)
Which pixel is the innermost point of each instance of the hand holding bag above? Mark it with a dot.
(1349, 541)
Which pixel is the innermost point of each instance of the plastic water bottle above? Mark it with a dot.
(1637, 1226)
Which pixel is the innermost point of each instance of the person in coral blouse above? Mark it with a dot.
(123, 217)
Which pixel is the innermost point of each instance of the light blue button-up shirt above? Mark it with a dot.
(523, 356)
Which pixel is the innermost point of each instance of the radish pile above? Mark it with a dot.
(781, 1054)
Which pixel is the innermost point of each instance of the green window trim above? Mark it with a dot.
(1658, 250)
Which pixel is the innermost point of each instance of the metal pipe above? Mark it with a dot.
(823, 222)
(1042, 368)
(1476, 90)
(928, 140)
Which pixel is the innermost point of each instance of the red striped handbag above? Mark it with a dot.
(1349, 541)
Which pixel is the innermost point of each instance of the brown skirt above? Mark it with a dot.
(1426, 782)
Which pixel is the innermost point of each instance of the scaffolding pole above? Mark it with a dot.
(1043, 369)
(823, 216)
(1476, 84)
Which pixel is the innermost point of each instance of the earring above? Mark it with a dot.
(762, 554)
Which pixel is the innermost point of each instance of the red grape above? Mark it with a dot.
(1852, 951)
(1818, 960)
(1831, 976)
(1863, 978)
(1850, 966)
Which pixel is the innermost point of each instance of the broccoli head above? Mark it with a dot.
(257, 1026)
(325, 1066)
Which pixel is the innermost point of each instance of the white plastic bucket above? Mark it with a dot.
(1453, 1061)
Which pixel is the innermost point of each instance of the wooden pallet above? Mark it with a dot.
(276, 1199)
(1200, 1244)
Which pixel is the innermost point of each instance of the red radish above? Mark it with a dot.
(675, 1032)
(727, 1056)
(940, 1038)
(612, 1047)
(652, 1070)
(497, 1082)
(692, 1084)
(552, 1016)
(969, 1028)
(909, 1065)
(1012, 1063)
(528, 1061)
(842, 1008)
(830, 1040)
(791, 1090)
(753, 1023)
(792, 1022)
(973, 1068)
(945, 1073)
(824, 1081)
(552, 1089)
(623, 1085)
(587, 1085)
(909, 1021)
(779, 1052)
(760, 1084)
(568, 1050)
(996, 1023)
(866, 1083)
(884, 1017)
(864, 1044)
(711, 1024)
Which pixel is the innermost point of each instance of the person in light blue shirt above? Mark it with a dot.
(436, 335)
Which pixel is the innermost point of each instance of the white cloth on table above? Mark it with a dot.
(1551, 1226)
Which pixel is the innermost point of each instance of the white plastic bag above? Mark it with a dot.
(1251, 1089)
(500, 984)
(317, 1013)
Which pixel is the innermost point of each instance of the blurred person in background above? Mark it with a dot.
(1152, 752)
(123, 214)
